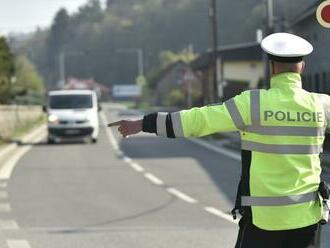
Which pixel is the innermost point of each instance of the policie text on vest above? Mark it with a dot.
(296, 116)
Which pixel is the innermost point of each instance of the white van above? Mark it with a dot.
(72, 114)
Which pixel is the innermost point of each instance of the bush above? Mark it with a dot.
(175, 98)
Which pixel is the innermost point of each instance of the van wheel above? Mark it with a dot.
(94, 140)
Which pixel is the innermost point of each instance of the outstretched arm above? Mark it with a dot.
(233, 115)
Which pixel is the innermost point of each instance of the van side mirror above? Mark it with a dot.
(44, 108)
(99, 108)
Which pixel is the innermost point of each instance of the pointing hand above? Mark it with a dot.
(126, 127)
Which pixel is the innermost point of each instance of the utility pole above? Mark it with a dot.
(270, 16)
(62, 58)
(140, 62)
(214, 38)
(269, 29)
(140, 58)
(62, 70)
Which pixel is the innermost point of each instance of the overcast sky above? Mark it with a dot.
(26, 15)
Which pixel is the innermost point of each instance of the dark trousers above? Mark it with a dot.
(250, 236)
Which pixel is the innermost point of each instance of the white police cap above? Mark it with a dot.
(285, 47)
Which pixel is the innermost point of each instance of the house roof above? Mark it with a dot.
(307, 13)
(236, 52)
(164, 71)
(74, 83)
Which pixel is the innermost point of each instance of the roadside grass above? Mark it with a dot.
(23, 129)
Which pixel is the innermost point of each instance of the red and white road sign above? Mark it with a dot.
(323, 14)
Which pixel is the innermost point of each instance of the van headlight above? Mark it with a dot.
(89, 118)
(53, 118)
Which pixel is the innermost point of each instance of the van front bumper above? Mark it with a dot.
(70, 132)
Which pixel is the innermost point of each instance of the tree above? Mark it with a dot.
(27, 77)
(6, 71)
(58, 37)
(90, 12)
(151, 25)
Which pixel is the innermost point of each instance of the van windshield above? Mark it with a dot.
(70, 101)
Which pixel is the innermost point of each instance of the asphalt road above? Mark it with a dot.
(143, 191)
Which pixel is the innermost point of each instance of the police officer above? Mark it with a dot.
(282, 132)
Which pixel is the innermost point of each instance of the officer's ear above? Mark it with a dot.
(302, 68)
(272, 67)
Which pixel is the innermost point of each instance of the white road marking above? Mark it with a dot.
(174, 191)
(3, 185)
(115, 146)
(127, 159)
(153, 179)
(119, 153)
(216, 149)
(220, 214)
(8, 225)
(136, 167)
(7, 169)
(9, 166)
(3, 195)
(5, 207)
(181, 195)
(109, 133)
(17, 243)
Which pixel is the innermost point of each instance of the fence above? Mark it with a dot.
(13, 117)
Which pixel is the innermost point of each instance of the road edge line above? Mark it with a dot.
(222, 151)
(10, 163)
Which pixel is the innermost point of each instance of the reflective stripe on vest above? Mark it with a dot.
(278, 200)
(256, 126)
(235, 114)
(177, 124)
(281, 148)
(286, 130)
(161, 124)
(255, 107)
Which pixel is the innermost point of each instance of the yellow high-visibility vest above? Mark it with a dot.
(282, 131)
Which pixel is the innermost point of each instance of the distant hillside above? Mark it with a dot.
(152, 25)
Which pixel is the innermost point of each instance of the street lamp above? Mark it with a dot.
(62, 58)
(140, 58)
